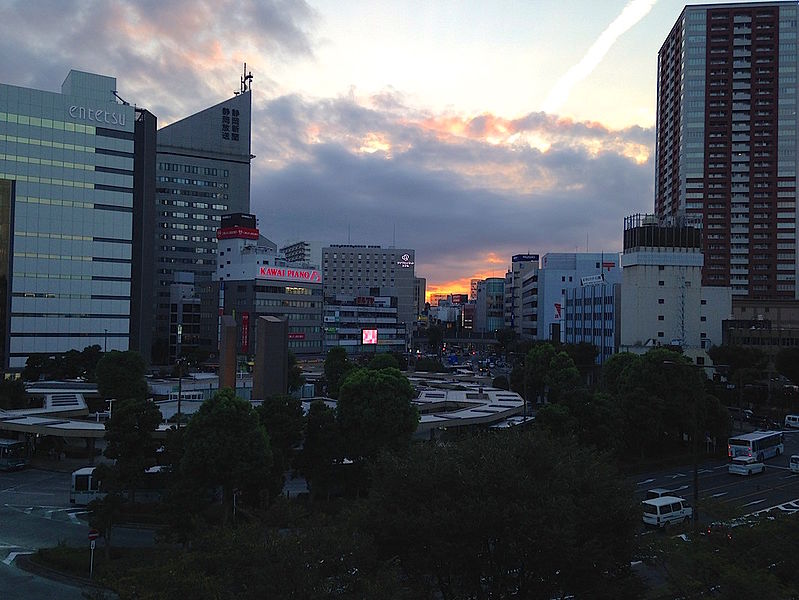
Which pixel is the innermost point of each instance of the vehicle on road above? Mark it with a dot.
(13, 455)
(658, 493)
(793, 464)
(760, 444)
(86, 487)
(666, 510)
(792, 421)
(745, 465)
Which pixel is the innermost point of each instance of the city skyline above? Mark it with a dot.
(378, 125)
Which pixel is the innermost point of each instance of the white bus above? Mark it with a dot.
(86, 487)
(760, 444)
(13, 455)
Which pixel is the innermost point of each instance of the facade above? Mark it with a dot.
(559, 273)
(489, 312)
(726, 156)
(663, 301)
(254, 281)
(363, 324)
(591, 315)
(768, 325)
(184, 317)
(352, 269)
(309, 253)
(66, 218)
(473, 289)
(521, 266)
(420, 292)
(203, 172)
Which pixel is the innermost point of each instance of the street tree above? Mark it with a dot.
(226, 448)
(322, 451)
(383, 360)
(120, 375)
(536, 369)
(283, 421)
(295, 373)
(337, 365)
(787, 364)
(375, 412)
(521, 515)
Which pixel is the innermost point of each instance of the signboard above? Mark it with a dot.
(368, 336)
(405, 261)
(245, 333)
(592, 279)
(296, 336)
(237, 232)
(93, 534)
(289, 274)
(558, 311)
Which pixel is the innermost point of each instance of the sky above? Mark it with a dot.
(467, 130)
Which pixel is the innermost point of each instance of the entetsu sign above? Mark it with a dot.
(97, 115)
(286, 274)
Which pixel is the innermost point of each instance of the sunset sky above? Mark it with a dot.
(469, 131)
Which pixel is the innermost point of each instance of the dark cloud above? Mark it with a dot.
(430, 190)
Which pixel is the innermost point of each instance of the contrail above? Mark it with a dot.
(632, 13)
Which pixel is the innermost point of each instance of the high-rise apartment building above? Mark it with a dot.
(66, 218)
(521, 265)
(303, 251)
(203, 172)
(726, 154)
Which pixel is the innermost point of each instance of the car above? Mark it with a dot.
(793, 464)
(745, 465)
(658, 493)
(666, 510)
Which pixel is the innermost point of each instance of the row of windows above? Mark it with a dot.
(46, 123)
(192, 193)
(194, 169)
(197, 182)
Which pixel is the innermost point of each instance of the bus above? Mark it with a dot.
(13, 455)
(760, 444)
(85, 486)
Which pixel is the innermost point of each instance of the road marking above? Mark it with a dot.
(681, 488)
(754, 502)
(678, 475)
(12, 555)
(705, 471)
(719, 495)
(74, 516)
(721, 467)
(645, 482)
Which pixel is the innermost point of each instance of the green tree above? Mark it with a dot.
(337, 365)
(500, 382)
(519, 515)
(12, 394)
(225, 447)
(375, 412)
(295, 373)
(435, 338)
(536, 368)
(130, 443)
(787, 364)
(322, 451)
(283, 421)
(561, 376)
(36, 367)
(584, 356)
(383, 360)
(506, 338)
(120, 375)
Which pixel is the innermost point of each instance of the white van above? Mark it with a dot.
(660, 512)
(792, 421)
(793, 464)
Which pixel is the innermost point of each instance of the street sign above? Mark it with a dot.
(93, 535)
(93, 543)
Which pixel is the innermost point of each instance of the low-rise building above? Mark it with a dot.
(363, 324)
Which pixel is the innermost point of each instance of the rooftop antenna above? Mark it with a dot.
(246, 80)
(118, 97)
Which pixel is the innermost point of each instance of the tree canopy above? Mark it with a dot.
(120, 375)
(375, 412)
(337, 365)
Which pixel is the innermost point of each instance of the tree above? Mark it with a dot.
(337, 365)
(519, 515)
(322, 450)
(787, 364)
(12, 394)
(500, 382)
(283, 421)
(130, 443)
(561, 377)
(536, 368)
(435, 337)
(120, 375)
(506, 338)
(375, 412)
(295, 373)
(584, 356)
(383, 360)
(225, 447)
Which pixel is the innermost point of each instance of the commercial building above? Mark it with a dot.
(66, 218)
(489, 311)
(521, 266)
(420, 292)
(726, 156)
(663, 301)
(768, 325)
(352, 269)
(363, 324)
(254, 280)
(591, 315)
(303, 251)
(544, 291)
(203, 172)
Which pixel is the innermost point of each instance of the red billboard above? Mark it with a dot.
(368, 336)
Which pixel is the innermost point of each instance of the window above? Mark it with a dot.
(703, 318)
(661, 334)
(661, 301)
(661, 318)
(703, 302)
(661, 283)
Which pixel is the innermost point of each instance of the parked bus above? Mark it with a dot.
(760, 444)
(86, 487)
(13, 455)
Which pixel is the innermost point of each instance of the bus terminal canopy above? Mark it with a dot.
(52, 426)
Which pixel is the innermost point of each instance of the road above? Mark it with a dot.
(35, 513)
(722, 494)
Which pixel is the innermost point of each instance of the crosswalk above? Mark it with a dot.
(55, 513)
(787, 508)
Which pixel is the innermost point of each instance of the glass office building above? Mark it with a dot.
(66, 218)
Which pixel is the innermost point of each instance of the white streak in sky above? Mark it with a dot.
(632, 13)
